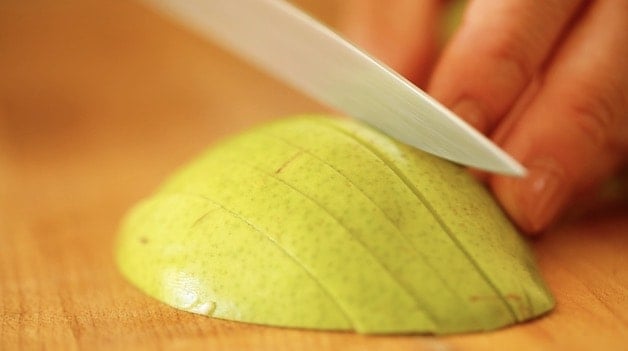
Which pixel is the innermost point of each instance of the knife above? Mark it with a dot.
(292, 46)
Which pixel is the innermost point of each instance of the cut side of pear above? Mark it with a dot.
(316, 222)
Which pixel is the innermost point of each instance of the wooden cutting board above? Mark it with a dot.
(99, 101)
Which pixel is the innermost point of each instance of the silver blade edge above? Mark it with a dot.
(294, 47)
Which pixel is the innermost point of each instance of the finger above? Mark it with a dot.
(570, 136)
(509, 122)
(402, 33)
(498, 49)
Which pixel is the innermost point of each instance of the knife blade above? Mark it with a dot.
(289, 44)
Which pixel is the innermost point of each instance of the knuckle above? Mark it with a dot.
(508, 69)
(595, 116)
(511, 58)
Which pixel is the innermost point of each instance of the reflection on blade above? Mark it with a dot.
(294, 47)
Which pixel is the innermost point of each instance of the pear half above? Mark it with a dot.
(315, 222)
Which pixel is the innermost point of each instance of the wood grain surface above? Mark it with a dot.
(99, 101)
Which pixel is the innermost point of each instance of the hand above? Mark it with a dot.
(546, 80)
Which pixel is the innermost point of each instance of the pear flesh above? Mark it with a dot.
(323, 223)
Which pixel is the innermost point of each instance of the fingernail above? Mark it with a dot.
(542, 194)
(470, 111)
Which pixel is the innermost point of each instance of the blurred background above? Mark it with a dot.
(95, 95)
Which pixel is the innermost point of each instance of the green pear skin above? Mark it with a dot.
(325, 223)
